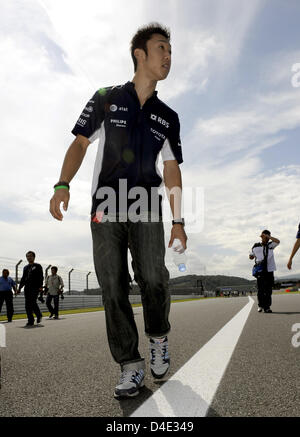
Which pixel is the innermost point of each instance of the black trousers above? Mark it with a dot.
(56, 302)
(264, 289)
(7, 297)
(31, 305)
(147, 247)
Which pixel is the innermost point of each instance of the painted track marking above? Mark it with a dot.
(190, 391)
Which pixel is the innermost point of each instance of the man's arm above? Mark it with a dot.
(22, 281)
(173, 183)
(71, 164)
(295, 248)
(275, 240)
(13, 285)
(40, 276)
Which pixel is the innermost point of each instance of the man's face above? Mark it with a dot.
(156, 65)
(30, 258)
(53, 272)
(264, 238)
(5, 274)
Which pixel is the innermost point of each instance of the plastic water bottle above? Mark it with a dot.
(179, 256)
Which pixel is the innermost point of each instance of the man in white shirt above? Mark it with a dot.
(54, 285)
(263, 254)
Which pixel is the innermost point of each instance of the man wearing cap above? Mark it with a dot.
(263, 253)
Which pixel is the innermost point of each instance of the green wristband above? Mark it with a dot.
(61, 186)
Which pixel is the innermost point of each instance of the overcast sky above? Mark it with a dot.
(231, 83)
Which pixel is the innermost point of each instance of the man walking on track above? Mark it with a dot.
(263, 254)
(32, 279)
(6, 295)
(54, 286)
(133, 126)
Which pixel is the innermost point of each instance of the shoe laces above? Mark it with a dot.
(159, 351)
(128, 376)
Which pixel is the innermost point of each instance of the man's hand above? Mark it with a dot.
(61, 195)
(251, 256)
(178, 232)
(289, 264)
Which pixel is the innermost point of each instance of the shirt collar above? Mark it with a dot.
(130, 87)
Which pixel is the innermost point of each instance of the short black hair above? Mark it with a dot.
(30, 251)
(266, 232)
(55, 268)
(143, 34)
(5, 270)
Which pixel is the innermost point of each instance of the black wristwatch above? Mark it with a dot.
(178, 222)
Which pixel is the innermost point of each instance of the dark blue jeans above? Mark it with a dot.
(56, 303)
(147, 247)
(31, 305)
(7, 297)
(264, 289)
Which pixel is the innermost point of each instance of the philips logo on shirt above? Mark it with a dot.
(160, 120)
(118, 123)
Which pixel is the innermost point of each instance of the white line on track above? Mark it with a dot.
(190, 391)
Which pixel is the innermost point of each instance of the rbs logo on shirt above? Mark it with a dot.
(160, 120)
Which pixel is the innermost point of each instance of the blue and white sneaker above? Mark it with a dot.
(131, 380)
(159, 357)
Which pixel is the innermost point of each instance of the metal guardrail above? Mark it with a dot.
(74, 279)
(78, 302)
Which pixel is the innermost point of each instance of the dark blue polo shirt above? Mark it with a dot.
(6, 284)
(130, 140)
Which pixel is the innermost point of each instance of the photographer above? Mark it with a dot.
(264, 256)
(54, 286)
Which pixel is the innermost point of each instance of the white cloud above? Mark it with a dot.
(57, 55)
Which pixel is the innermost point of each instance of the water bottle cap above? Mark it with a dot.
(182, 267)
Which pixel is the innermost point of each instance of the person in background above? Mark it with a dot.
(32, 280)
(263, 253)
(54, 286)
(7, 284)
(295, 249)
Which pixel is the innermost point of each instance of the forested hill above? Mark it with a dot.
(209, 281)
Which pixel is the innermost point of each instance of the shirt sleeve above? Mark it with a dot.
(89, 121)
(61, 281)
(22, 281)
(40, 275)
(298, 233)
(273, 245)
(172, 146)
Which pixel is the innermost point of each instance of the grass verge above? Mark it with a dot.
(87, 310)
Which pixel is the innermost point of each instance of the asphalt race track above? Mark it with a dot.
(64, 367)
